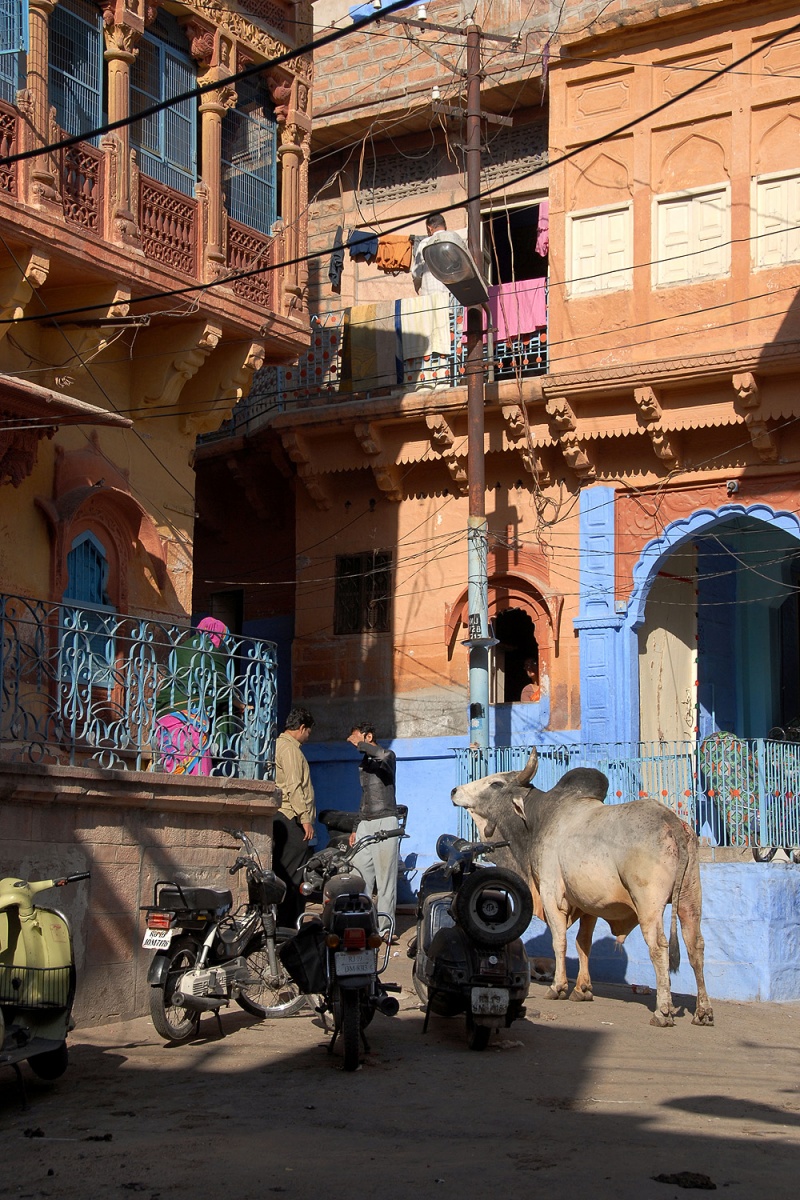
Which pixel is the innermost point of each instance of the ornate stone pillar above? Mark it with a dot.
(214, 50)
(290, 97)
(42, 173)
(124, 22)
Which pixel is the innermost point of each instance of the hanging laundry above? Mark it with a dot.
(394, 253)
(369, 348)
(363, 245)
(424, 325)
(543, 229)
(336, 265)
(517, 308)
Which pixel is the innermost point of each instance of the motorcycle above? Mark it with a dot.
(335, 956)
(37, 978)
(468, 956)
(206, 956)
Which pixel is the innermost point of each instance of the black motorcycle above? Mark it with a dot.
(206, 956)
(468, 956)
(335, 955)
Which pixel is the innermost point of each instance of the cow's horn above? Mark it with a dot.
(529, 770)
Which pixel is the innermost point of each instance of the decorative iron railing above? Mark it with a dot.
(731, 791)
(168, 224)
(82, 186)
(8, 146)
(249, 250)
(87, 687)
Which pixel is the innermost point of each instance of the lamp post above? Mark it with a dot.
(446, 257)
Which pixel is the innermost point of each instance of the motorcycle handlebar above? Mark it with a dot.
(73, 878)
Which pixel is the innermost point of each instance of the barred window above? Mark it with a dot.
(363, 590)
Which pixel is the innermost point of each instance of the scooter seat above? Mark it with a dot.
(194, 899)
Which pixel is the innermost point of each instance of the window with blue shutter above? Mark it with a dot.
(250, 157)
(88, 643)
(166, 141)
(76, 65)
(13, 42)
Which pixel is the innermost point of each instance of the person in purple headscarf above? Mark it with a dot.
(191, 705)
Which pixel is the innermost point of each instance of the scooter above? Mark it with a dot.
(468, 956)
(206, 956)
(37, 978)
(335, 956)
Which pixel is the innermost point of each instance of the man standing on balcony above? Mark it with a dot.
(293, 827)
(425, 281)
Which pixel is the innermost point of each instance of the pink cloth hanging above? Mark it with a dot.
(543, 229)
(518, 308)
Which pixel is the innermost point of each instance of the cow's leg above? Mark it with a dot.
(689, 914)
(653, 933)
(557, 923)
(583, 942)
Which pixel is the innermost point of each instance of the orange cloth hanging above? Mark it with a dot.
(394, 253)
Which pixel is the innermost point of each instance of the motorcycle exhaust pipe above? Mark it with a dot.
(197, 1003)
(387, 1005)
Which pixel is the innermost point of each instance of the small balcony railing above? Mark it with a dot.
(91, 688)
(732, 791)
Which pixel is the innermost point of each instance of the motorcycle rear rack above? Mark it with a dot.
(35, 987)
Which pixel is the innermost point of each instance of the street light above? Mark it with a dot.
(450, 261)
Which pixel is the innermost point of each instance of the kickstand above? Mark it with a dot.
(219, 1023)
(427, 1011)
(332, 1042)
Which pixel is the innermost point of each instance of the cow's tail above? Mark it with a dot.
(674, 944)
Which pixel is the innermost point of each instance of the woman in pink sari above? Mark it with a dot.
(184, 726)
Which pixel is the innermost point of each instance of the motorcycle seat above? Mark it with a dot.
(194, 899)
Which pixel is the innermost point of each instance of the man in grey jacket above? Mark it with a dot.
(377, 863)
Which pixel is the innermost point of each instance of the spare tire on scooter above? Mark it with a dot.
(494, 906)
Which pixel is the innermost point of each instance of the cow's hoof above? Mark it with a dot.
(581, 994)
(554, 993)
(662, 1019)
(703, 1016)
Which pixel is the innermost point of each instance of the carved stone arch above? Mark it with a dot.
(605, 179)
(512, 590)
(695, 161)
(779, 146)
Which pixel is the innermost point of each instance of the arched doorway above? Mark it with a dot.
(516, 639)
(718, 621)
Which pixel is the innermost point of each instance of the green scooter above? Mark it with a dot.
(37, 978)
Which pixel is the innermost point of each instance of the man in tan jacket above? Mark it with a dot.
(293, 827)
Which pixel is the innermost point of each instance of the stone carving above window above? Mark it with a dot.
(393, 176)
(513, 151)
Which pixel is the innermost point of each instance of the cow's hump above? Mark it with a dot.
(581, 783)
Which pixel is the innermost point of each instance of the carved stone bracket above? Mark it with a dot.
(369, 438)
(17, 285)
(442, 436)
(296, 448)
(165, 373)
(458, 473)
(242, 473)
(514, 422)
(564, 428)
(315, 488)
(650, 415)
(388, 480)
(224, 381)
(749, 395)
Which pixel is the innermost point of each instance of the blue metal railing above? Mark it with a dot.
(731, 791)
(89, 687)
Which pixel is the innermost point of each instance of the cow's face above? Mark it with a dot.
(490, 800)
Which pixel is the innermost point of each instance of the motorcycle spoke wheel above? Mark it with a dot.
(172, 1021)
(272, 995)
(351, 1028)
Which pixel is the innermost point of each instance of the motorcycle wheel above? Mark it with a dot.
(477, 1035)
(50, 1065)
(473, 907)
(764, 854)
(351, 1027)
(271, 997)
(420, 988)
(174, 1022)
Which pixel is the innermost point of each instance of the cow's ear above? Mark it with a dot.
(519, 805)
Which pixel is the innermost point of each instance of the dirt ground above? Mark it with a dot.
(576, 1100)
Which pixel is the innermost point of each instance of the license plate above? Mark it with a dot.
(158, 939)
(361, 962)
(490, 1002)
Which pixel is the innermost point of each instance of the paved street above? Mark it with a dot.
(577, 1100)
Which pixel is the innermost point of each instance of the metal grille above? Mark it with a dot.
(363, 590)
(249, 158)
(87, 571)
(166, 140)
(76, 65)
(35, 987)
(13, 39)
